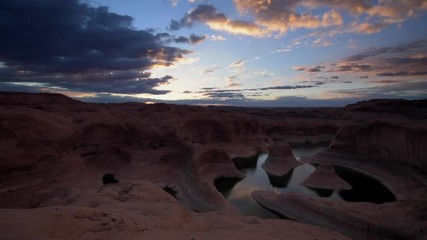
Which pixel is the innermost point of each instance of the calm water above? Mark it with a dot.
(238, 192)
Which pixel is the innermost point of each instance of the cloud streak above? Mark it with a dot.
(215, 93)
(408, 61)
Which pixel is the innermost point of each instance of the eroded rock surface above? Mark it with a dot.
(50, 141)
(140, 210)
(54, 152)
(397, 220)
(280, 160)
(324, 177)
(392, 129)
(384, 139)
(402, 142)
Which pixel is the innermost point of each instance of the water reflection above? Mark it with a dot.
(238, 192)
(246, 162)
(280, 181)
(364, 187)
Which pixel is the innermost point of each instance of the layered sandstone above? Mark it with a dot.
(396, 220)
(50, 140)
(401, 142)
(324, 177)
(54, 152)
(138, 210)
(280, 160)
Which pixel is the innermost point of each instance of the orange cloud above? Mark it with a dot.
(397, 11)
(280, 16)
(368, 28)
(276, 17)
(237, 27)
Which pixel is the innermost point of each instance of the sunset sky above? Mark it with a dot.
(232, 52)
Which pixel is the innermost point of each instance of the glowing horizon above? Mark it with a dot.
(231, 52)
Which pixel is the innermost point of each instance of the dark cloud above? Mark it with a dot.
(193, 39)
(203, 13)
(197, 39)
(326, 80)
(230, 81)
(68, 44)
(354, 67)
(233, 77)
(181, 39)
(224, 95)
(402, 60)
(216, 93)
(124, 86)
(237, 64)
(174, 25)
(208, 14)
(419, 61)
(402, 73)
(287, 87)
(407, 90)
(211, 69)
(385, 81)
(310, 69)
(404, 47)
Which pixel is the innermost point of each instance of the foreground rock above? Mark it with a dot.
(397, 220)
(324, 177)
(139, 210)
(195, 186)
(280, 160)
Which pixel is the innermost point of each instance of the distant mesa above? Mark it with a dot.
(280, 160)
(324, 177)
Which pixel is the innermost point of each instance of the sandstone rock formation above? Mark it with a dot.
(401, 142)
(384, 139)
(324, 177)
(53, 141)
(393, 129)
(397, 220)
(139, 210)
(54, 152)
(280, 160)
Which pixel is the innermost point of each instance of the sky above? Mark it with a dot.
(263, 53)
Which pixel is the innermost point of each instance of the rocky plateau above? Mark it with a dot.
(55, 152)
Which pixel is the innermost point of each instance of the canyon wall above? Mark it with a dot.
(391, 129)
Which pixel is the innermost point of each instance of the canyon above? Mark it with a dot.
(55, 152)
